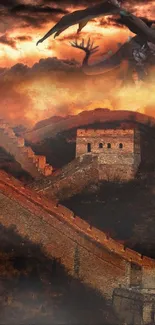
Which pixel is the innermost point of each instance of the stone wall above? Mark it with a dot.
(70, 180)
(86, 252)
(118, 151)
(35, 165)
(134, 306)
(110, 164)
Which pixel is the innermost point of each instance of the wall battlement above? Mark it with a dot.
(35, 165)
(109, 132)
(70, 180)
(77, 224)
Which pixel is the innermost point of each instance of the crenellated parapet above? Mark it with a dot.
(34, 164)
(71, 179)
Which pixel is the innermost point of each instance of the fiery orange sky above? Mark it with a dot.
(18, 38)
(36, 83)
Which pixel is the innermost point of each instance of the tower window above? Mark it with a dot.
(109, 145)
(135, 275)
(121, 145)
(100, 145)
(88, 147)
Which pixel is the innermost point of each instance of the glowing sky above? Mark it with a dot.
(23, 22)
(43, 81)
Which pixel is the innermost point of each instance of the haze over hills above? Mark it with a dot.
(55, 125)
(49, 121)
(55, 137)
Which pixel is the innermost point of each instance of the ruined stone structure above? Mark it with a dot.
(87, 253)
(117, 151)
(35, 165)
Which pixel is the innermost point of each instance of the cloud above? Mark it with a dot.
(52, 83)
(9, 3)
(22, 8)
(76, 3)
(26, 15)
(12, 42)
(23, 38)
(22, 89)
(6, 40)
(35, 15)
(49, 65)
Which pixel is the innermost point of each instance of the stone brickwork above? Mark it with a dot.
(35, 165)
(135, 306)
(70, 180)
(86, 252)
(111, 164)
(118, 151)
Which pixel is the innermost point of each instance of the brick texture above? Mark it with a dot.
(35, 165)
(86, 252)
(117, 151)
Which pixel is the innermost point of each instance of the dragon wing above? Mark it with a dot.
(137, 26)
(82, 17)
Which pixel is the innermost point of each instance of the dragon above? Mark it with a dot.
(137, 50)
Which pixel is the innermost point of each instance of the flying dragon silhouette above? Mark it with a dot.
(81, 17)
(138, 47)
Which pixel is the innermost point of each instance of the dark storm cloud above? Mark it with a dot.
(134, 2)
(4, 39)
(76, 3)
(22, 8)
(45, 66)
(8, 3)
(35, 15)
(23, 38)
(53, 64)
(26, 15)
(111, 21)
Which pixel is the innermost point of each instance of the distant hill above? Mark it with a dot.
(55, 125)
(49, 121)
(57, 141)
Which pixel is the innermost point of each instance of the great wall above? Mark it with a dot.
(69, 180)
(35, 165)
(96, 164)
(86, 252)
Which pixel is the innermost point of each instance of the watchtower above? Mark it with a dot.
(118, 151)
